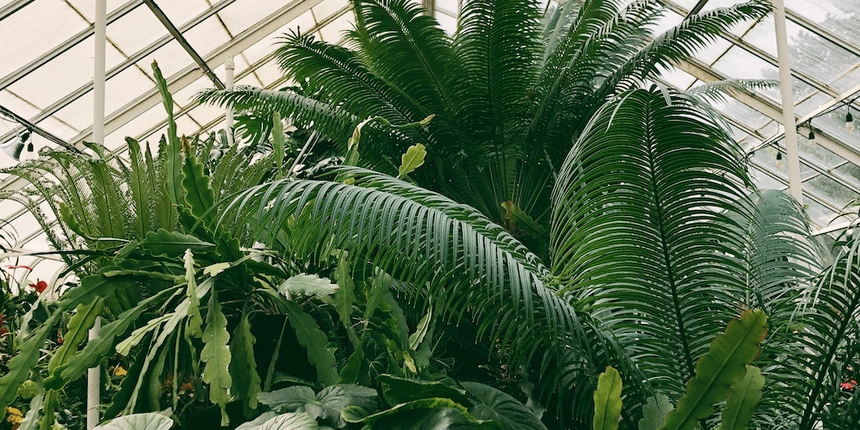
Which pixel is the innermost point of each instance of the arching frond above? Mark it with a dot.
(639, 231)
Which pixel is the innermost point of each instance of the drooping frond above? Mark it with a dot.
(681, 42)
(721, 91)
(640, 233)
(327, 119)
(824, 334)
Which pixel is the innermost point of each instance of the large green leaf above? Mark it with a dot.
(496, 405)
(716, 372)
(314, 340)
(198, 191)
(24, 362)
(148, 421)
(290, 421)
(216, 356)
(607, 400)
(425, 414)
(326, 405)
(83, 319)
(411, 160)
(742, 400)
(398, 390)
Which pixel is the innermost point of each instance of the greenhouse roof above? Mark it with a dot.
(47, 69)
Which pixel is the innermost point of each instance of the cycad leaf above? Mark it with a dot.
(607, 400)
(411, 160)
(496, 405)
(742, 400)
(216, 356)
(716, 372)
(314, 340)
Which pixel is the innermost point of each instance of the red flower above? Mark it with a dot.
(21, 267)
(59, 337)
(39, 286)
(848, 385)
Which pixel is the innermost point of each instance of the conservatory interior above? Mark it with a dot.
(429, 214)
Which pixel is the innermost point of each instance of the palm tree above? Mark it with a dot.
(508, 91)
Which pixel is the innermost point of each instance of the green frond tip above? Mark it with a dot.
(716, 373)
(607, 400)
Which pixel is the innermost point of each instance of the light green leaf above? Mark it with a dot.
(344, 298)
(148, 421)
(215, 269)
(309, 285)
(257, 422)
(243, 366)
(742, 400)
(83, 320)
(424, 414)
(172, 243)
(411, 160)
(198, 191)
(496, 405)
(278, 144)
(326, 405)
(124, 347)
(716, 372)
(216, 355)
(607, 400)
(195, 321)
(291, 421)
(654, 412)
(314, 340)
(416, 338)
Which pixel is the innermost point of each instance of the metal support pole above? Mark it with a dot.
(93, 374)
(793, 160)
(229, 67)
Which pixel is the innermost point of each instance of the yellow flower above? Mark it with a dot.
(14, 416)
(119, 371)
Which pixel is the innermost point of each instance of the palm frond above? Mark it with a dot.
(329, 120)
(722, 91)
(640, 234)
(679, 43)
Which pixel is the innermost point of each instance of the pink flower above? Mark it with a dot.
(20, 267)
(848, 385)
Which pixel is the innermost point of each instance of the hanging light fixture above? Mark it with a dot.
(849, 120)
(811, 136)
(15, 146)
(779, 163)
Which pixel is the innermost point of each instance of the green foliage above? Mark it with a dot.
(742, 400)
(314, 340)
(607, 400)
(654, 412)
(491, 404)
(243, 366)
(150, 421)
(723, 367)
(325, 406)
(308, 285)
(412, 159)
(216, 356)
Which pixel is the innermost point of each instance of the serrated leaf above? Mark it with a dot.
(243, 366)
(215, 269)
(397, 390)
(654, 412)
(607, 400)
(742, 400)
(278, 142)
(195, 321)
(716, 372)
(344, 299)
(198, 191)
(76, 333)
(308, 285)
(314, 340)
(493, 404)
(148, 421)
(172, 151)
(411, 160)
(216, 356)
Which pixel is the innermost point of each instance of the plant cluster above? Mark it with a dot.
(498, 229)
